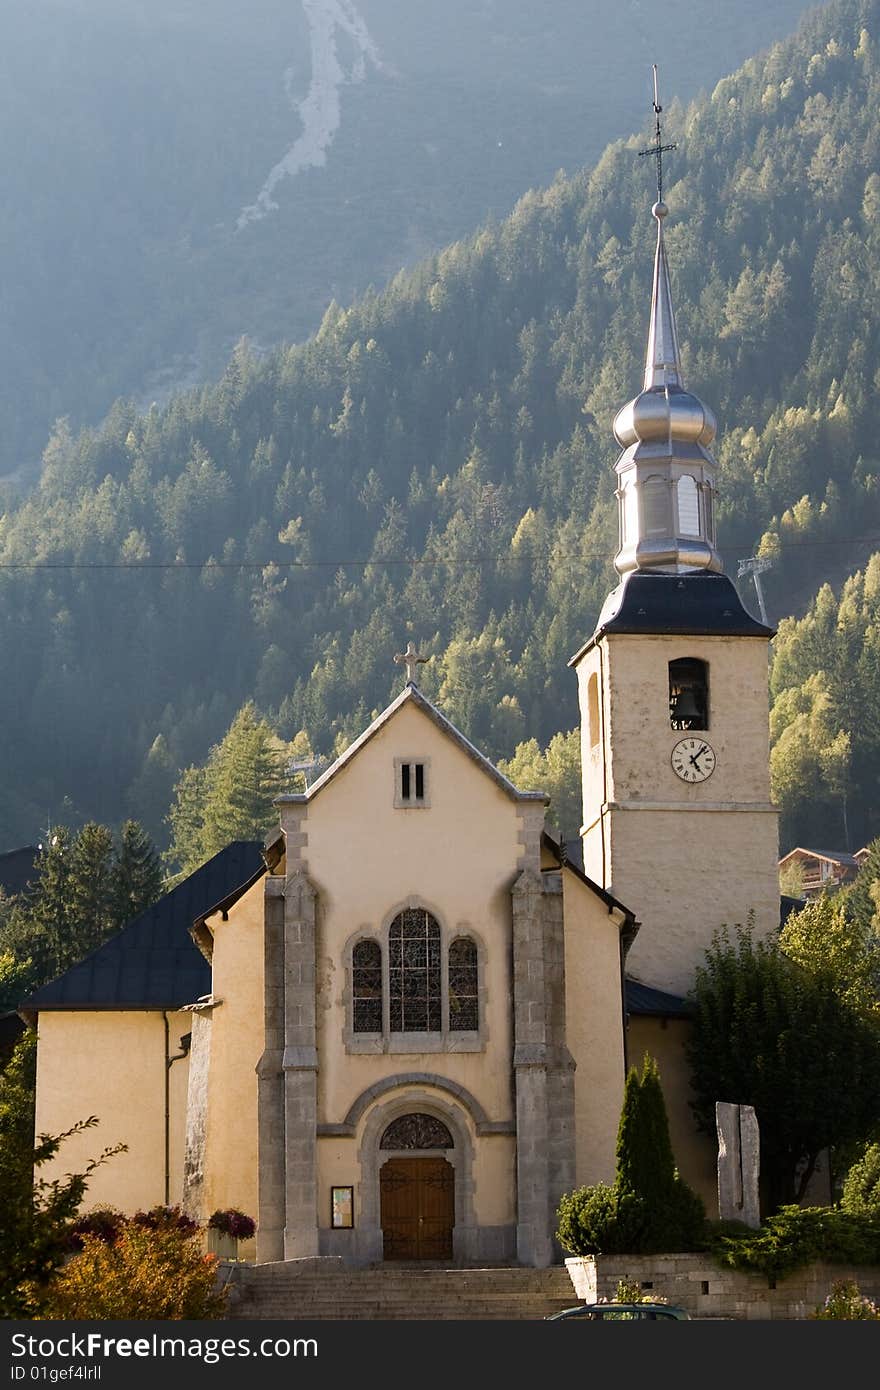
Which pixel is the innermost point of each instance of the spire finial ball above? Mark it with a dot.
(659, 210)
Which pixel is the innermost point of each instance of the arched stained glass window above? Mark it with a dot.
(463, 997)
(416, 1132)
(366, 965)
(414, 972)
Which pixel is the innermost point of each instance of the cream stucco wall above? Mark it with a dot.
(695, 1154)
(111, 1064)
(237, 1032)
(458, 858)
(594, 1027)
(685, 858)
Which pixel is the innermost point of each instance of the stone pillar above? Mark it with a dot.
(533, 1238)
(738, 1163)
(300, 1067)
(193, 1198)
(270, 1083)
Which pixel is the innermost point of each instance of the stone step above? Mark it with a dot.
(305, 1290)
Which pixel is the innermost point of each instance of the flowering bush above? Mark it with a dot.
(846, 1302)
(103, 1222)
(155, 1273)
(166, 1219)
(631, 1291)
(232, 1223)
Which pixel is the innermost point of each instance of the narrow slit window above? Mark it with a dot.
(593, 709)
(366, 963)
(412, 783)
(655, 503)
(463, 997)
(688, 506)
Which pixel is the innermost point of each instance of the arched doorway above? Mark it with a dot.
(417, 1189)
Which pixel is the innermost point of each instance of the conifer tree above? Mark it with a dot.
(230, 798)
(91, 893)
(137, 873)
(861, 898)
(645, 1162)
(672, 1215)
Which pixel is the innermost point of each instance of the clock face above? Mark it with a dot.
(693, 760)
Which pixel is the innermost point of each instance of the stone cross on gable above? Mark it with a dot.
(411, 660)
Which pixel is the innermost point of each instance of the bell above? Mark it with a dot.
(685, 705)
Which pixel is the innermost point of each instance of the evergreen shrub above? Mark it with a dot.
(797, 1236)
(600, 1220)
(649, 1209)
(861, 1186)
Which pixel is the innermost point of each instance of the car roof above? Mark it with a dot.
(671, 1310)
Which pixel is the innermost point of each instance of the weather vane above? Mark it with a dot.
(658, 149)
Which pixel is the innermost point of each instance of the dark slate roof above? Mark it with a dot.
(153, 962)
(788, 905)
(654, 1003)
(691, 605)
(11, 1029)
(17, 868)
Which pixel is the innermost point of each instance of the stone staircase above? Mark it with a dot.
(324, 1288)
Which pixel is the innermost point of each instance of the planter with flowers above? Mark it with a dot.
(225, 1229)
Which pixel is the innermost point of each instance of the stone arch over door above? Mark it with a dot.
(406, 1101)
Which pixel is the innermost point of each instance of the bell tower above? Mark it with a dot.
(677, 817)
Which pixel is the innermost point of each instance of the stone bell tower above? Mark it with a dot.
(677, 817)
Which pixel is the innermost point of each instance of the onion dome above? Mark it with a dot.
(666, 489)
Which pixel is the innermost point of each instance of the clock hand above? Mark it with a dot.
(699, 753)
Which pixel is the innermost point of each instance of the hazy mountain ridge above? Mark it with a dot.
(438, 461)
(136, 133)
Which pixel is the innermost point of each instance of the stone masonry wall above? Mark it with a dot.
(705, 1290)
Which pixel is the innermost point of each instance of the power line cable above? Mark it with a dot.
(278, 563)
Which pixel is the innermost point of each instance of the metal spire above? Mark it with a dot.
(666, 473)
(662, 361)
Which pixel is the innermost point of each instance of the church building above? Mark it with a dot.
(400, 1030)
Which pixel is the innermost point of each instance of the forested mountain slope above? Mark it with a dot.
(437, 462)
(178, 173)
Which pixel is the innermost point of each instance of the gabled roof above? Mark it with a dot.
(412, 695)
(153, 962)
(832, 856)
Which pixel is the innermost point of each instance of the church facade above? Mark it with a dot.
(401, 1029)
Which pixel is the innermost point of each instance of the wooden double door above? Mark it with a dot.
(417, 1208)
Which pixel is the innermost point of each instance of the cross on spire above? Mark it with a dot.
(411, 660)
(658, 149)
